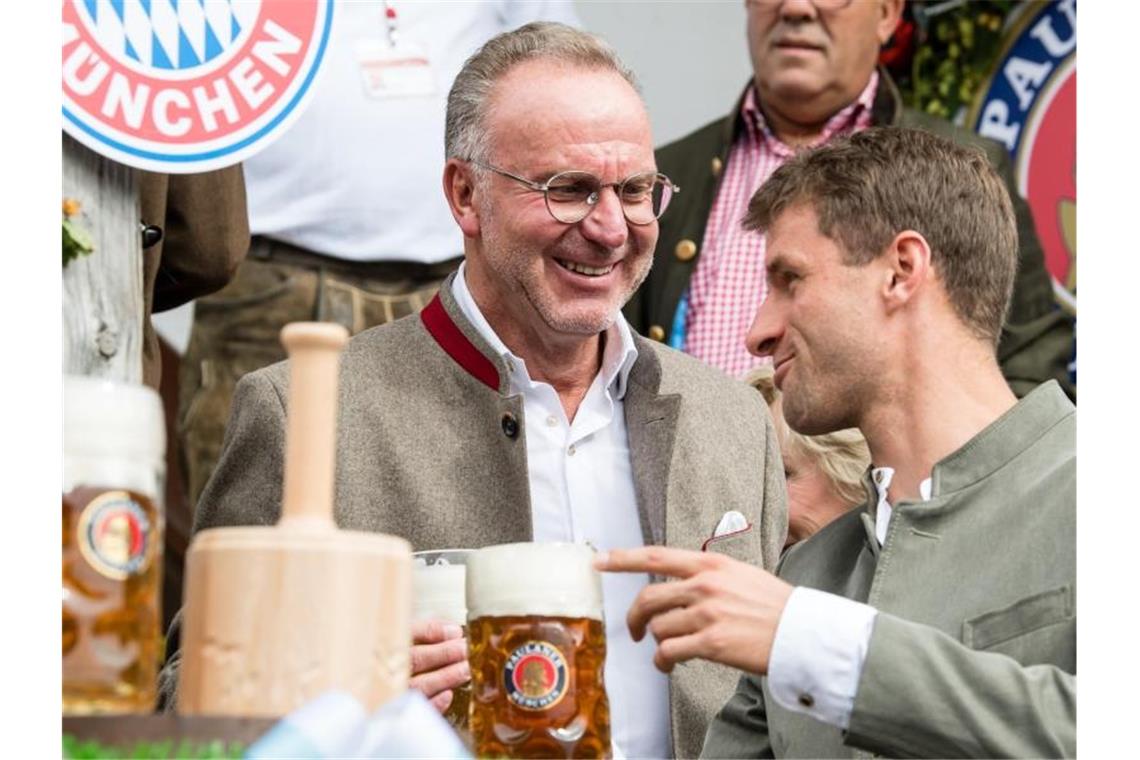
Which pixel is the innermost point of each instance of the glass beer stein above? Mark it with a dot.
(537, 647)
(439, 592)
(114, 442)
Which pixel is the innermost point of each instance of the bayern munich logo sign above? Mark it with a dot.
(535, 676)
(1030, 106)
(182, 86)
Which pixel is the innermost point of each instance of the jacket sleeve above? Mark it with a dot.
(245, 489)
(924, 694)
(205, 231)
(246, 485)
(740, 729)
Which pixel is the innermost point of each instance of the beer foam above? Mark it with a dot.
(114, 434)
(439, 593)
(556, 580)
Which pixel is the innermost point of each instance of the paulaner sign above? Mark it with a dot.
(1030, 106)
(185, 86)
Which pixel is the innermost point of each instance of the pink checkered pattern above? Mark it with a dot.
(729, 282)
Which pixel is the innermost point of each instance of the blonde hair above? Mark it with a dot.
(842, 456)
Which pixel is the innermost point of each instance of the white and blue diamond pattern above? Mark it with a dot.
(170, 34)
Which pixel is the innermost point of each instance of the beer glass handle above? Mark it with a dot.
(314, 350)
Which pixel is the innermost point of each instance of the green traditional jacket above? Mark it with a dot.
(973, 652)
(1037, 342)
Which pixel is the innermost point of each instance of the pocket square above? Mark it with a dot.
(731, 524)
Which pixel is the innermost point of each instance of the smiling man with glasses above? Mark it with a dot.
(520, 406)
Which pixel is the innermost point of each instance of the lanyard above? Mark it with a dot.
(390, 23)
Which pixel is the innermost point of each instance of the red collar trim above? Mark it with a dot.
(451, 339)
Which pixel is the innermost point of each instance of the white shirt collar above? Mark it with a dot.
(618, 356)
(882, 476)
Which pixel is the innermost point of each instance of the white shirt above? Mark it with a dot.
(822, 639)
(357, 177)
(582, 490)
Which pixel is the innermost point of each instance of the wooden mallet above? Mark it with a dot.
(276, 615)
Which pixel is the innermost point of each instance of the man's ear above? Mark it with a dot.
(908, 269)
(890, 13)
(460, 190)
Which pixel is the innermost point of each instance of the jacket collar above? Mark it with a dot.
(994, 447)
(459, 339)
(1002, 440)
(465, 344)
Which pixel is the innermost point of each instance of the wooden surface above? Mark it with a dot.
(103, 291)
(126, 730)
(275, 616)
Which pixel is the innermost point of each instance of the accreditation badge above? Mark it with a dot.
(395, 70)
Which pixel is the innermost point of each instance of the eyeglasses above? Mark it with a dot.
(571, 196)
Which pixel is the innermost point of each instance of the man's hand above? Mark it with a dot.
(719, 609)
(439, 660)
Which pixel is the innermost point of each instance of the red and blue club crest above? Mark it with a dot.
(183, 86)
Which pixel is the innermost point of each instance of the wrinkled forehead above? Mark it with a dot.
(549, 108)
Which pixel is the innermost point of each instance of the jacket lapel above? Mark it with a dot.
(651, 422)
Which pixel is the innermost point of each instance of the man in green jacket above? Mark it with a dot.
(815, 78)
(939, 620)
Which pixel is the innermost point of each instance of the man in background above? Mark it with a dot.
(814, 78)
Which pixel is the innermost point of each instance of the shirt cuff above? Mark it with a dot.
(818, 653)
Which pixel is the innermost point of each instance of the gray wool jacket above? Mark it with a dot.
(432, 447)
(974, 650)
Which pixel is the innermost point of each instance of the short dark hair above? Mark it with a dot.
(868, 187)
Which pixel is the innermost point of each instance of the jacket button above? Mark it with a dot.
(807, 700)
(717, 166)
(657, 332)
(685, 250)
(510, 425)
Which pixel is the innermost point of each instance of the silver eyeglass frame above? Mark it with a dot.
(593, 198)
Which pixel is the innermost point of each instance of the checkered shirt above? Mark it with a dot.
(729, 282)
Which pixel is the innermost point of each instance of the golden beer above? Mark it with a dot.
(439, 593)
(111, 605)
(114, 447)
(537, 648)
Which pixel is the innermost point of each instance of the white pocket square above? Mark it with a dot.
(731, 522)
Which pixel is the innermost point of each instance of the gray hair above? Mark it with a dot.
(466, 134)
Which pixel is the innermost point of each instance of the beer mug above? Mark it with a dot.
(439, 592)
(114, 465)
(537, 646)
